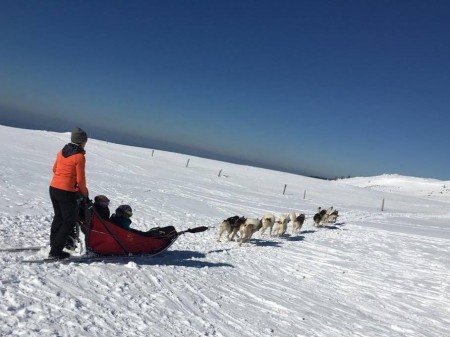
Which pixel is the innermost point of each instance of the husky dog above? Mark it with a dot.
(297, 222)
(320, 216)
(281, 225)
(247, 229)
(231, 225)
(327, 214)
(268, 220)
(332, 217)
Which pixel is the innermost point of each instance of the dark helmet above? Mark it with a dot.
(101, 200)
(124, 210)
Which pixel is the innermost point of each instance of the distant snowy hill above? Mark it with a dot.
(394, 183)
(371, 274)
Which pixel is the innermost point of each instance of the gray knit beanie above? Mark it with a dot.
(78, 136)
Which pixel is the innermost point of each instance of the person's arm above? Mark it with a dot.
(55, 165)
(81, 176)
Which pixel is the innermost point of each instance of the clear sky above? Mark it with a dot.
(325, 88)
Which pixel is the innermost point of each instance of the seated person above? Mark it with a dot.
(101, 204)
(122, 218)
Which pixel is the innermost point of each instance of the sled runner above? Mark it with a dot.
(22, 249)
(91, 258)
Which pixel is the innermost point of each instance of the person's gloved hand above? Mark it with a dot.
(88, 201)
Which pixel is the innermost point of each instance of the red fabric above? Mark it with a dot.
(100, 241)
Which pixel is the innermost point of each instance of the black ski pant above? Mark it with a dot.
(66, 210)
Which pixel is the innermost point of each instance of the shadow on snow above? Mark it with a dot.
(265, 243)
(295, 238)
(308, 232)
(335, 226)
(183, 258)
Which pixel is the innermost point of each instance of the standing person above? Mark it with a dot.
(68, 184)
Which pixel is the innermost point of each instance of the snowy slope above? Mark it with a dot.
(372, 273)
(394, 183)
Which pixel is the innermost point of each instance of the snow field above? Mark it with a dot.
(372, 273)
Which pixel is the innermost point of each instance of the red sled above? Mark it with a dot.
(105, 238)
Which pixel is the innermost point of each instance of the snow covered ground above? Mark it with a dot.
(373, 273)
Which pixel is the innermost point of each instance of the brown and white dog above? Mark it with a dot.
(231, 225)
(281, 225)
(247, 229)
(297, 222)
(268, 220)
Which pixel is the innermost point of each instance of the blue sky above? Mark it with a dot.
(325, 88)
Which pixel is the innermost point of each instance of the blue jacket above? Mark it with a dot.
(121, 221)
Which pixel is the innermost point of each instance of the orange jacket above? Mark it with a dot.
(68, 170)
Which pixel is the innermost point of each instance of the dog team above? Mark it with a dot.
(324, 216)
(243, 228)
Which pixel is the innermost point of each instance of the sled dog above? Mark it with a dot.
(247, 229)
(297, 222)
(281, 225)
(231, 225)
(268, 220)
